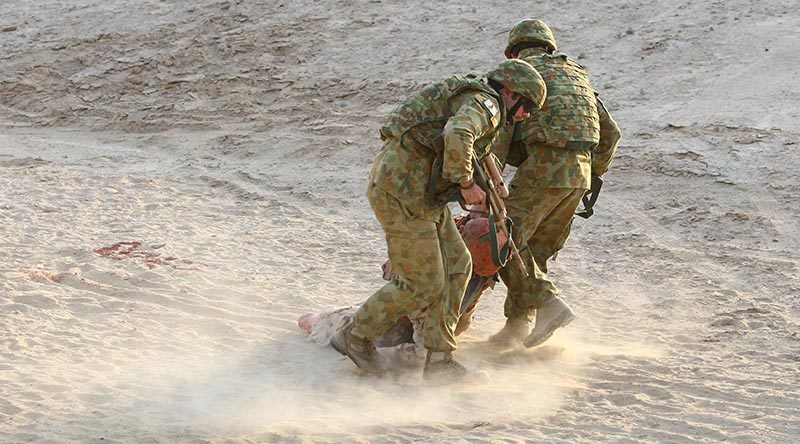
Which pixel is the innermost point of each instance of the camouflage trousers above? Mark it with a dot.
(542, 221)
(433, 266)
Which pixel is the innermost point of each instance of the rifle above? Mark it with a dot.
(487, 176)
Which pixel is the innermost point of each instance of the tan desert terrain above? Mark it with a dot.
(179, 180)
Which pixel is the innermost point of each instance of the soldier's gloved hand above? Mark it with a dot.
(472, 194)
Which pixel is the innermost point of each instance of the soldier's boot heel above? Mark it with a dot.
(512, 333)
(360, 350)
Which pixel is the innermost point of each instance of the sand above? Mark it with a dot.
(180, 180)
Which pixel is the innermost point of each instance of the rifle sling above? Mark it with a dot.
(499, 255)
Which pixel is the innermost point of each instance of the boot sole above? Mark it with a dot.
(561, 321)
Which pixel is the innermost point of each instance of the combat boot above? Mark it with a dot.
(515, 330)
(360, 350)
(441, 366)
(552, 315)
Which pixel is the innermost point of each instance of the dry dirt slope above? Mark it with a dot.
(239, 134)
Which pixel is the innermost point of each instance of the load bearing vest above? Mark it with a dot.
(569, 117)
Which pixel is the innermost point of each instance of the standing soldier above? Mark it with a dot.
(428, 145)
(558, 151)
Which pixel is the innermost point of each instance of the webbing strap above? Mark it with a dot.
(433, 182)
(590, 198)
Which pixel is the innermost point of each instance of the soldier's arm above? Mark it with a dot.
(609, 140)
(476, 116)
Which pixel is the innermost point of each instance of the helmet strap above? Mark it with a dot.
(513, 111)
(496, 86)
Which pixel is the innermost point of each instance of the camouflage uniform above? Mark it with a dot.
(424, 246)
(449, 120)
(557, 151)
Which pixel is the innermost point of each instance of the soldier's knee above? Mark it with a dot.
(435, 287)
(459, 280)
(460, 271)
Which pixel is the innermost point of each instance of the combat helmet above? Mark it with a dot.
(530, 31)
(522, 78)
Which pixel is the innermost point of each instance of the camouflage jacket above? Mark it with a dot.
(451, 120)
(572, 138)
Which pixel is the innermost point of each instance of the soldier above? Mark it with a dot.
(428, 145)
(557, 152)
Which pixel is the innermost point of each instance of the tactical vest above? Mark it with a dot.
(569, 116)
(419, 122)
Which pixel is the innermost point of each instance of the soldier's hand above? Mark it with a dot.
(473, 195)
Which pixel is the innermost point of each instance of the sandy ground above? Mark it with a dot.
(180, 180)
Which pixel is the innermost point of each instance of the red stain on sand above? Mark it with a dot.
(130, 250)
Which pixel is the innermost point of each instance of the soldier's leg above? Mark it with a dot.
(416, 256)
(552, 312)
(535, 211)
(415, 253)
(520, 204)
(527, 207)
(548, 238)
(443, 313)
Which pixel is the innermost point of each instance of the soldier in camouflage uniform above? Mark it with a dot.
(428, 145)
(557, 151)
